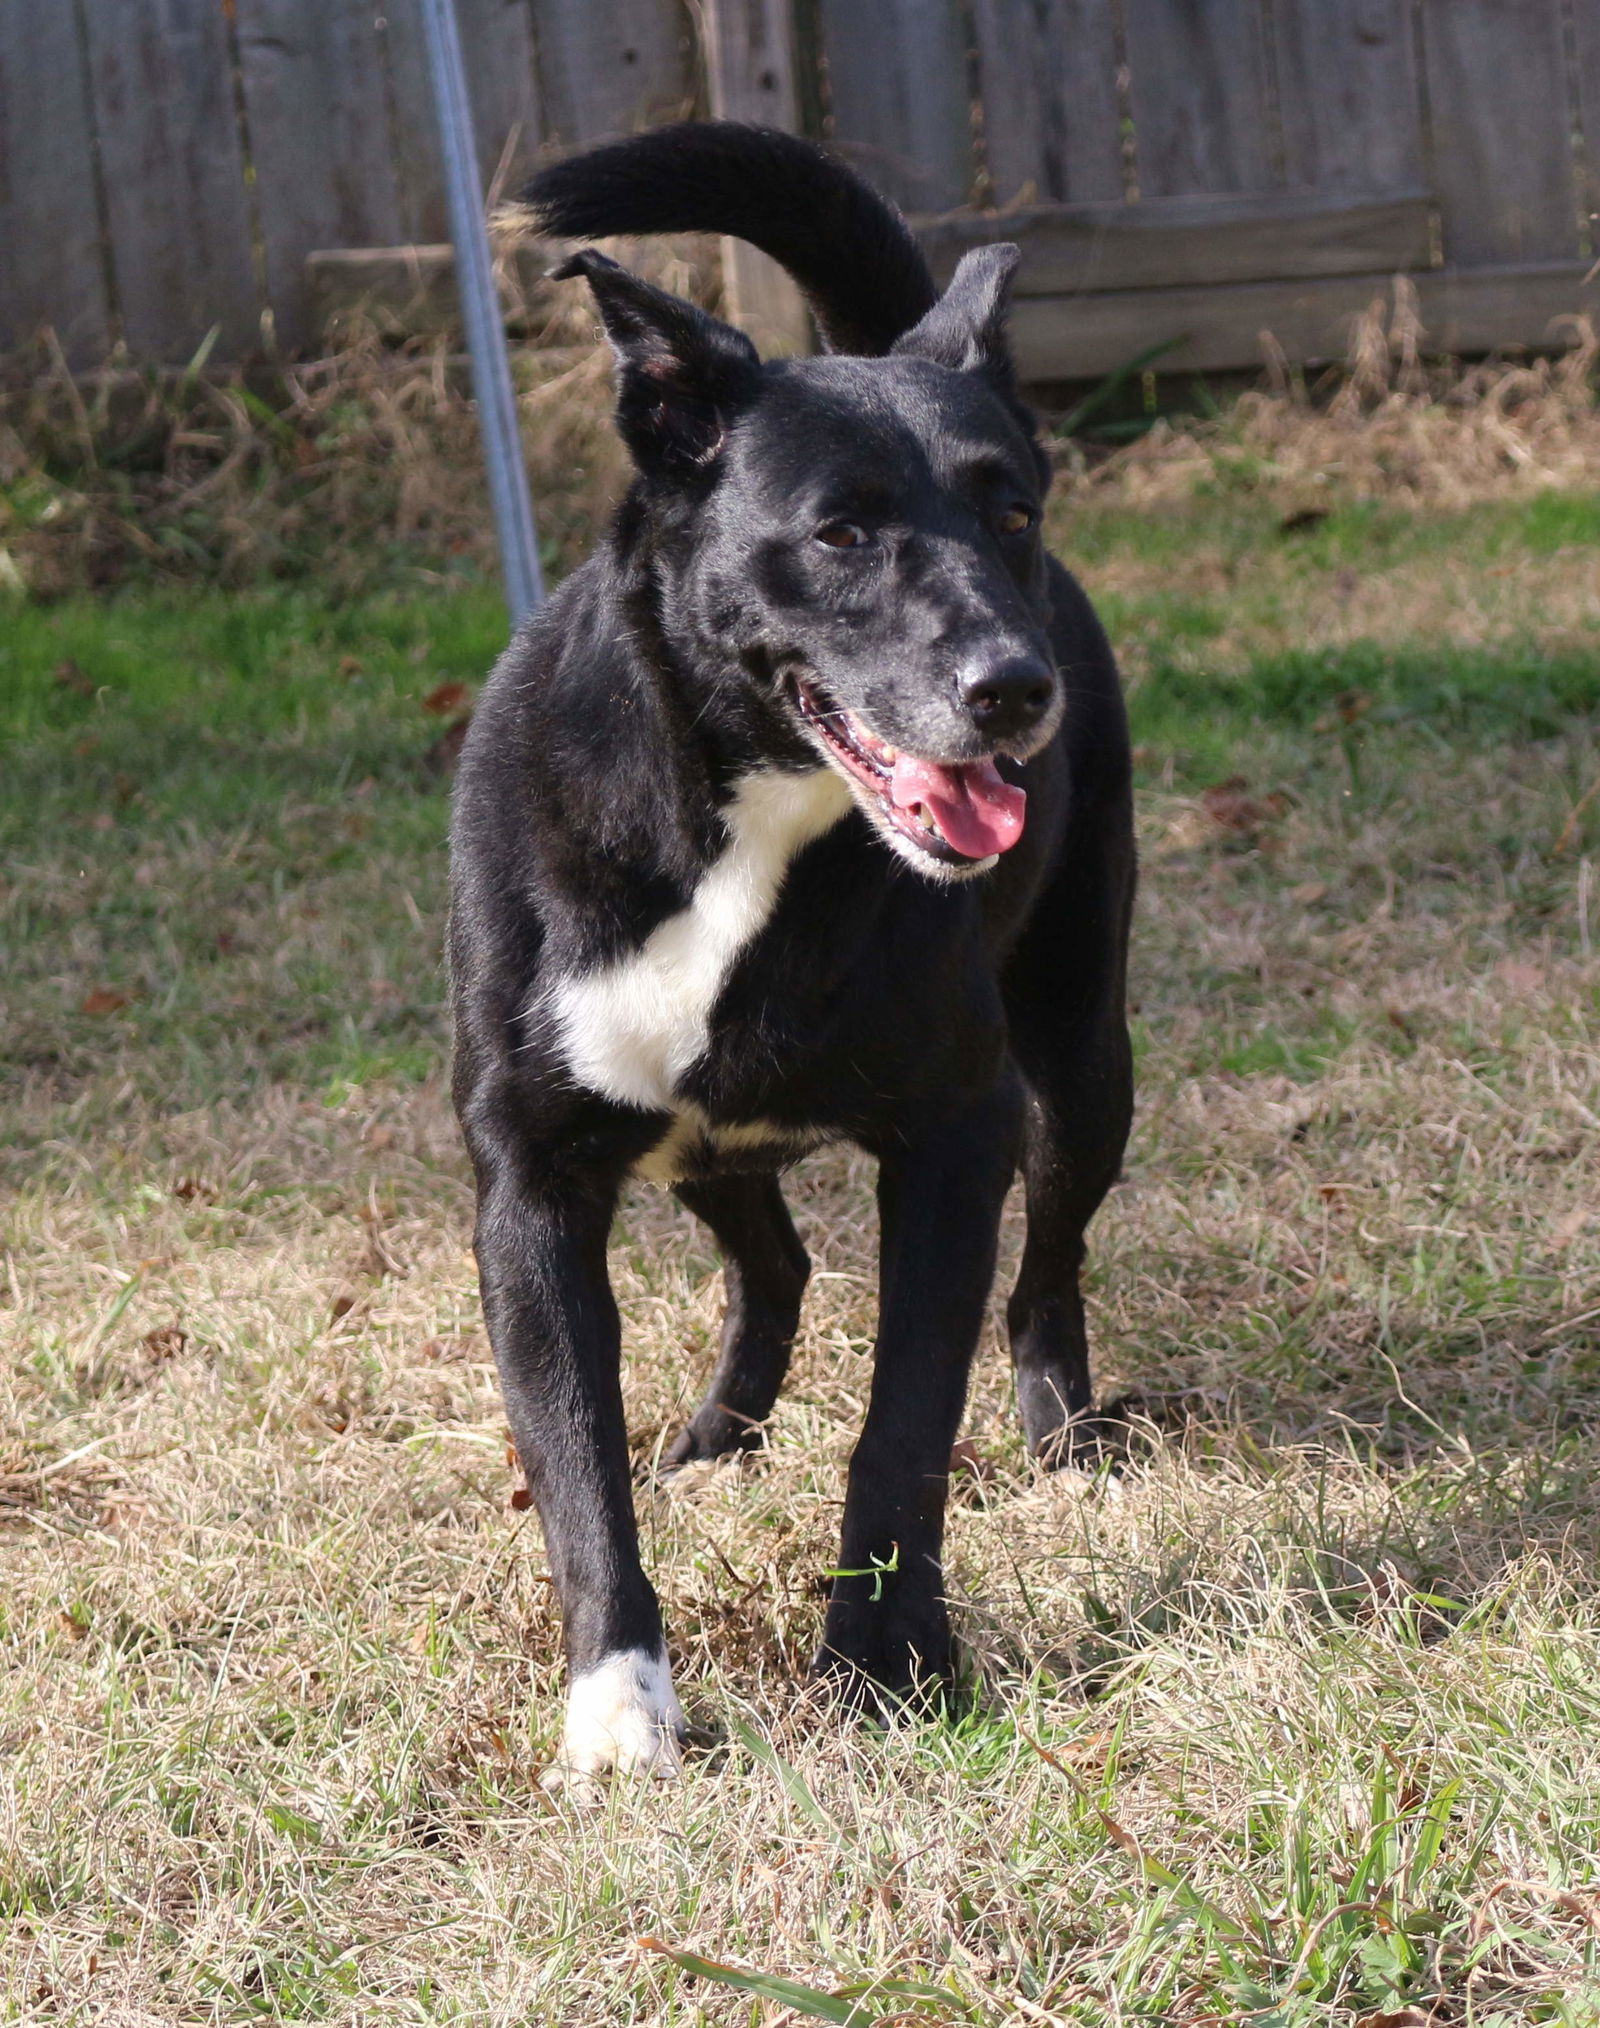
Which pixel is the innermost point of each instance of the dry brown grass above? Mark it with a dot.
(1389, 425)
(363, 468)
(356, 469)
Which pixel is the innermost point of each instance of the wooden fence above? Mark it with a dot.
(1180, 172)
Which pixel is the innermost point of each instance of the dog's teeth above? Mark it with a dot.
(925, 820)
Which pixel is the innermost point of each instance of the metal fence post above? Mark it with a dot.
(480, 311)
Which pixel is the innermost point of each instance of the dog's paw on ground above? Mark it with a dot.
(623, 1718)
(698, 1475)
(1104, 1441)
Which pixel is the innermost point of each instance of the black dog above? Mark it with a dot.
(800, 813)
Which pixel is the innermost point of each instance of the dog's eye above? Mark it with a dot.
(842, 534)
(1015, 519)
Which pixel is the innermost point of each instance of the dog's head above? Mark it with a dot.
(860, 538)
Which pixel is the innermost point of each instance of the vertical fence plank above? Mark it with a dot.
(52, 269)
(1502, 155)
(413, 124)
(1197, 75)
(1047, 73)
(902, 112)
(319, 141)
(753, 67)
(1587, 26)
(497, 45)
(161, 83)
(1348, 94)
(610, 67)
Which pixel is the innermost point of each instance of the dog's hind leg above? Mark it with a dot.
(765, 1270)
(1064, 995)
(1072, 1151)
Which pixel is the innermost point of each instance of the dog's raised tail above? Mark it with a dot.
(849, 249)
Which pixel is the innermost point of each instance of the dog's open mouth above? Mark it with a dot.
(960, 812)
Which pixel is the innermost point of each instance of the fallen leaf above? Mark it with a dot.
(1404, 2017)
(341, 1307)
(66, 675)
(1348, 707)
(968, 1461)
(349, 665)
(521, 1499)
(1228, 805)
(167, 1341)
(1568, 1226)
(442, 756)
(103, 1001)
(445, 698)
(1308, 891)
(191, 1190)
(1092, 1747)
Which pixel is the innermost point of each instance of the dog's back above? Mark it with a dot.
(800, 813)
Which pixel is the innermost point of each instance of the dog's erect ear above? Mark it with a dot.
(680, 373)
(966, 328)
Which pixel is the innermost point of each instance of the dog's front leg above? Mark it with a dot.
(557, 1341)
(939, 1199)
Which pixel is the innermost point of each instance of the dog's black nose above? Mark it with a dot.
(1009, 697)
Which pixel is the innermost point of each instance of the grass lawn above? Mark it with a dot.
(1297, 1720)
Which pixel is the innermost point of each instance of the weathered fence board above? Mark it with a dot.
(1502, 150)
(901, 101)
(753, 67)
(1586, 53)
(1197, 82)
(497, 46)
(319, 141)
(502, 86)
(169, 165)
(161, 90)
(412, 121)
(1464, 310)
(610, 67)
(1348, 106)
(1201, 241)
(1052, 126)
(52, 268)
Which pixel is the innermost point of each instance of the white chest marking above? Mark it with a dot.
(631, 1030)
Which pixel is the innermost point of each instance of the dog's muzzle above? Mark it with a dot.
(959, 812)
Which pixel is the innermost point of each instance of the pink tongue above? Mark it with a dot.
(976, 811)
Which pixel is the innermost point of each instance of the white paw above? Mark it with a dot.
(623, 1717)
